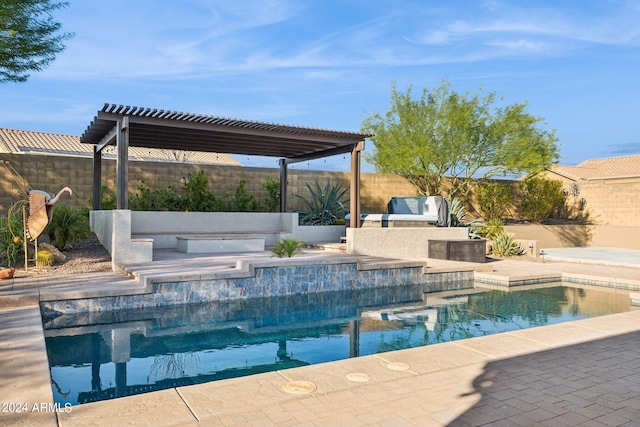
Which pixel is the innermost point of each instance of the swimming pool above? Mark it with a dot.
(97, 356)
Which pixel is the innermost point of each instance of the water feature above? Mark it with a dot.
(103, 355)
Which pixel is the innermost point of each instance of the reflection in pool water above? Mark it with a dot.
(99, 356)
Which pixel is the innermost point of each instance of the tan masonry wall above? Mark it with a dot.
(569, 236)
(614, 202)
(51, 173)
(611, 201)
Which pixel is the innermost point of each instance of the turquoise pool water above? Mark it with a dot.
(100, 356)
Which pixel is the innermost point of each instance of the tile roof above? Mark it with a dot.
(610, 167)
(24, 141)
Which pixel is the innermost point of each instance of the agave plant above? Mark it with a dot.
(458, 214)
(505, 244)
(324, 206)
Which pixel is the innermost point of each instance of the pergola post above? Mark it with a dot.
(283, 185)
(122, 164)
(354, 193)
(97, 178)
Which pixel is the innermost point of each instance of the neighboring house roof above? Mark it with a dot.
(24, 141)
(610, 167)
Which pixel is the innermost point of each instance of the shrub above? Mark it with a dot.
(324, 206)
(197, 197)
(272, 198)
(505, 244)
(495, 200)
(67, 226)
(287, 246)
(243, 201)
(108, 200)
(45, 259)
(146, 199)
(539, 198)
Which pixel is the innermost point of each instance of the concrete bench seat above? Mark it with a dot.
(192, 244)
(169, 239)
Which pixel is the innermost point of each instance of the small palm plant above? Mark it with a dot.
(67, 226)
(324, 206)
(287, 246)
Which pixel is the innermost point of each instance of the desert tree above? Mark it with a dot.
(30, 37)
(464, 138)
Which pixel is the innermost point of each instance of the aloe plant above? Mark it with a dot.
(324, 206)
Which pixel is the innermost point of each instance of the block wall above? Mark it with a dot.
(613, 202)
(607, 202)
(51, 173)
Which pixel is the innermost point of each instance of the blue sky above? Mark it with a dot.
(329, 63)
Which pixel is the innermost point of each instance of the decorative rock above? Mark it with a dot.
(7, 273)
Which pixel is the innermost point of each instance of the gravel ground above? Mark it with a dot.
(86, 256)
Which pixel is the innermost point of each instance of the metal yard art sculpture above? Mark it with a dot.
(40, 205)
(41, 211)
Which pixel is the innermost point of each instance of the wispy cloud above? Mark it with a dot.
(625, 149)
(518, 27)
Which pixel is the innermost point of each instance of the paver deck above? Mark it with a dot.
(585, 372)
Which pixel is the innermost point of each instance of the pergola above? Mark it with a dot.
(127, 127)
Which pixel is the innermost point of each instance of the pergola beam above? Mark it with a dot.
(107, 139)
(170, 130)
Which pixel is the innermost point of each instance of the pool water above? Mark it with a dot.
(102, 356)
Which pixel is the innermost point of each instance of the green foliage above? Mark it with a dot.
(504, 244)
(196, 197)
(491, 229)
(495, 200)
(540, 198)
(11, 247)
(287, 246)
(243, 201)
(444, 133)
(108, 199)
(324, 206)
(67, 226)
(459, 214)
(146, 199)
(272, 198)
(45, 259)
(30, 38)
